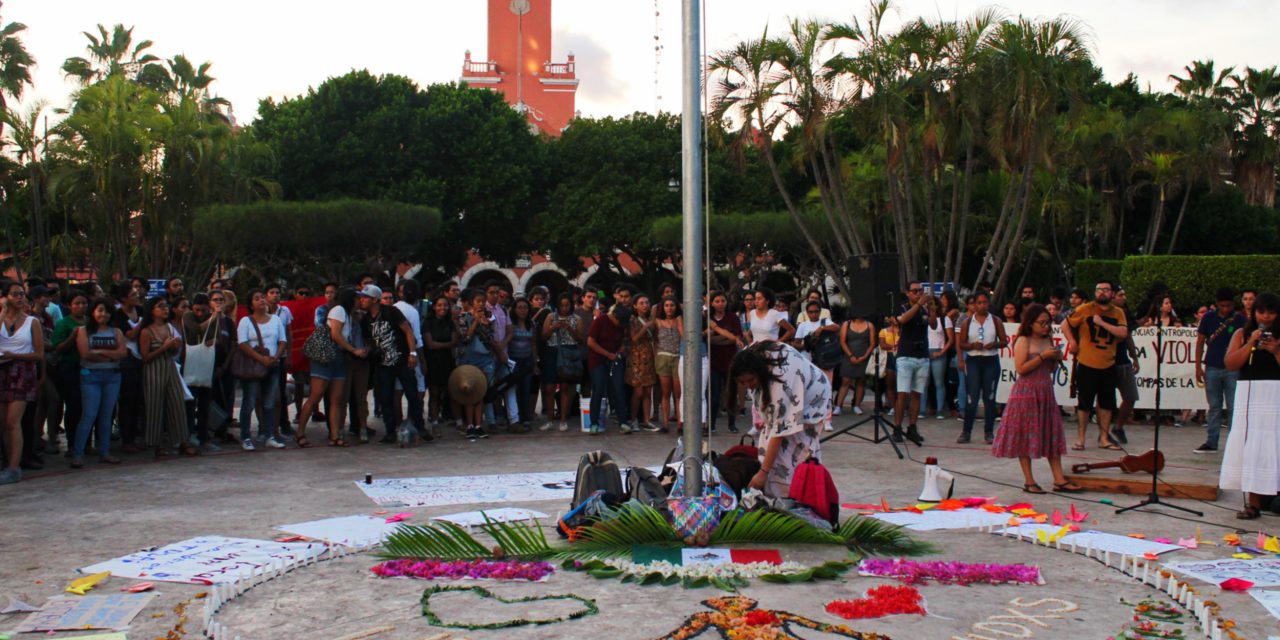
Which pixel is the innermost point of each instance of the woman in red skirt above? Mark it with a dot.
(1032, 426)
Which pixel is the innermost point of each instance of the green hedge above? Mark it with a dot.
(1195, 280)
(1089, 272)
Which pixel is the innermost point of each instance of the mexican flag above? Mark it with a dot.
(646, 554)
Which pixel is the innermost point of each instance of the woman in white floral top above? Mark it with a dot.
(792, 397)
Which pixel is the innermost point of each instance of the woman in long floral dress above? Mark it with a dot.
(1032, 425)
(792, 398)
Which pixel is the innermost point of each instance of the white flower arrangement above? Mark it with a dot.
(706, 570)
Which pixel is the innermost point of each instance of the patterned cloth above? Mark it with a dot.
(640, 364)
(1032, 425)
(800, 401)
(18, 381)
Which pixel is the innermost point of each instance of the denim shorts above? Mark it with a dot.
(913, 375)
(336, 370)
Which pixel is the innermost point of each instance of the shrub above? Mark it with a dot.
(1194, 280)
(1089, 272)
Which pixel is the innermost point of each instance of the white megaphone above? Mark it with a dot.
(932, 474)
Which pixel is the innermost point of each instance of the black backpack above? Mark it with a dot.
(827, 351)
(598, 472)
(644, 487)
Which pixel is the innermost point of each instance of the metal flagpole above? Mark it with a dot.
(691, 182)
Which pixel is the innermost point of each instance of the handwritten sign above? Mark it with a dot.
(1262, 572)
(65, 613)
(1177, 380)
(206, 560)
(449, 490)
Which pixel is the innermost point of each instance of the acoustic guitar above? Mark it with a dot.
(1149, 462)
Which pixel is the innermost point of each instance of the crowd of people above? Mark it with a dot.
(133, 369)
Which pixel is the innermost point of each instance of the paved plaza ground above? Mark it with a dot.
(59, 520)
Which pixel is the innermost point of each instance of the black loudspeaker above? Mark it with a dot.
(875, 284)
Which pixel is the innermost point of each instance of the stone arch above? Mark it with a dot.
(474, 275)
(526, 280)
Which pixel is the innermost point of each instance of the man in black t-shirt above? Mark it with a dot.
(912, 360)
(393, 351)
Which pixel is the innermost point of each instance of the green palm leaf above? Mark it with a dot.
(518, 539)
(871, 537)
(440, 540)
(769, 526)
(615, 533)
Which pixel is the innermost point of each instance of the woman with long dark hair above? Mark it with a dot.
(441, 336)
(1161, 313)
(1253, 445)
(725, 333)
(21, 351)
(642, 372)
(523, 351)
(767, 323)
(166, 412)
(980, 339)
(262, 337)
(66, 373)
(670, 331)
(101, 347)
(564, 330)
(331, 376)
(1032, 425)
(792, 398)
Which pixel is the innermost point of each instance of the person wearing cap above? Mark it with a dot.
(394, 354)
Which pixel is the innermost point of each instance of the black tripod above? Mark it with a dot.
(881, 427)
(1154, 496)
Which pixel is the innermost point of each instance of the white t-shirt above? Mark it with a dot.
(415, 319)
(766, 328)
(938, 337)
(285, 315)
(340, 314)
(273, 333)
(808, 328)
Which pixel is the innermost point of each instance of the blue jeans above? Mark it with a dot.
(1220, 387)
(607, 378)
(267, 388)
(983, 372)
(99, 390)
(962, 396)
(937, 375)
(501, 370)
(384, 389)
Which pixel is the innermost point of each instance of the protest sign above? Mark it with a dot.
(64, 613)
(1177, 369)
(207, 560)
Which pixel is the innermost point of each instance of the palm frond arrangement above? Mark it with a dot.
(440, 540)
(614, 534)
(871, 537)
(769, 526)
(518, 539)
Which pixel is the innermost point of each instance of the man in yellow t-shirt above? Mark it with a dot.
(1094, 330)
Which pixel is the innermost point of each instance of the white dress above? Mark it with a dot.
(800, 401)
(1251, 461)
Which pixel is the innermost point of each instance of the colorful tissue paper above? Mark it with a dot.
(1272, 545)
(1138, 536)
(1013, 522)
(81, 586)
(962, 573)
(925, 506)
(1163, 541)
(140, 587)
(1241, 556)
(1235, 584)
(977, 501)
(1231, 539)
(1190, 543)
(951, 505)
(992, 508)
(1019, 505)
(1023, 511)
(399, 517)
(1057, 518)
(1150, 556)
(1076, 516)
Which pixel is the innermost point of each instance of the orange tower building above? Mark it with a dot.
(519, 64)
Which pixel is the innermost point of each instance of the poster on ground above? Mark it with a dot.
(449, 490)
(1177, 380)
(65, 613)
(207, 559)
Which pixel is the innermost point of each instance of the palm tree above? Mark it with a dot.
(110, 54)
(1201, 82)
(24, 134)
(1256, 106)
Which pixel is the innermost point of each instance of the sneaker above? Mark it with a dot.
(547, 426)
(210, 447)
(10, 476)
(963, 439)
(247, 444)
(857, 411)
(364, 436)
(732, 428)
(653, 428)
(481, 433)
(564, 426)
(471, 433)
(939, 417)
(896, 436)
(913, 435)
(836, 411)
(275, 443)
(891, 413)
(595, 430)
(426, 436)
(1205, 448)
(1178, 424)
(828, 427)
(625, 429)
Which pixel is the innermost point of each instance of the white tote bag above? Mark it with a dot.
(197, 369)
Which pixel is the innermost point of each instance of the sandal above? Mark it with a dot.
(1077, 447)
(302, 441)
(1068, 487)
(1110, 446)
(1250, 512)
(1032, 488)
(189, 451)
(338, 442)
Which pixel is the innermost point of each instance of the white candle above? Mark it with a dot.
(1073, 546)
(1146, 567)
(1108, 558)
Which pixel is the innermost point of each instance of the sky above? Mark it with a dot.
(277, 49)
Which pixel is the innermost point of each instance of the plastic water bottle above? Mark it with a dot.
(405, 434)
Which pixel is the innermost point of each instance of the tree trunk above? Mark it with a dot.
(1157, 218)
(964, 212)
(1015, 239)
(824, 195)
(1258, 182)
(913, 268)
(988, 258)
(835, 176)
(1177, 226)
